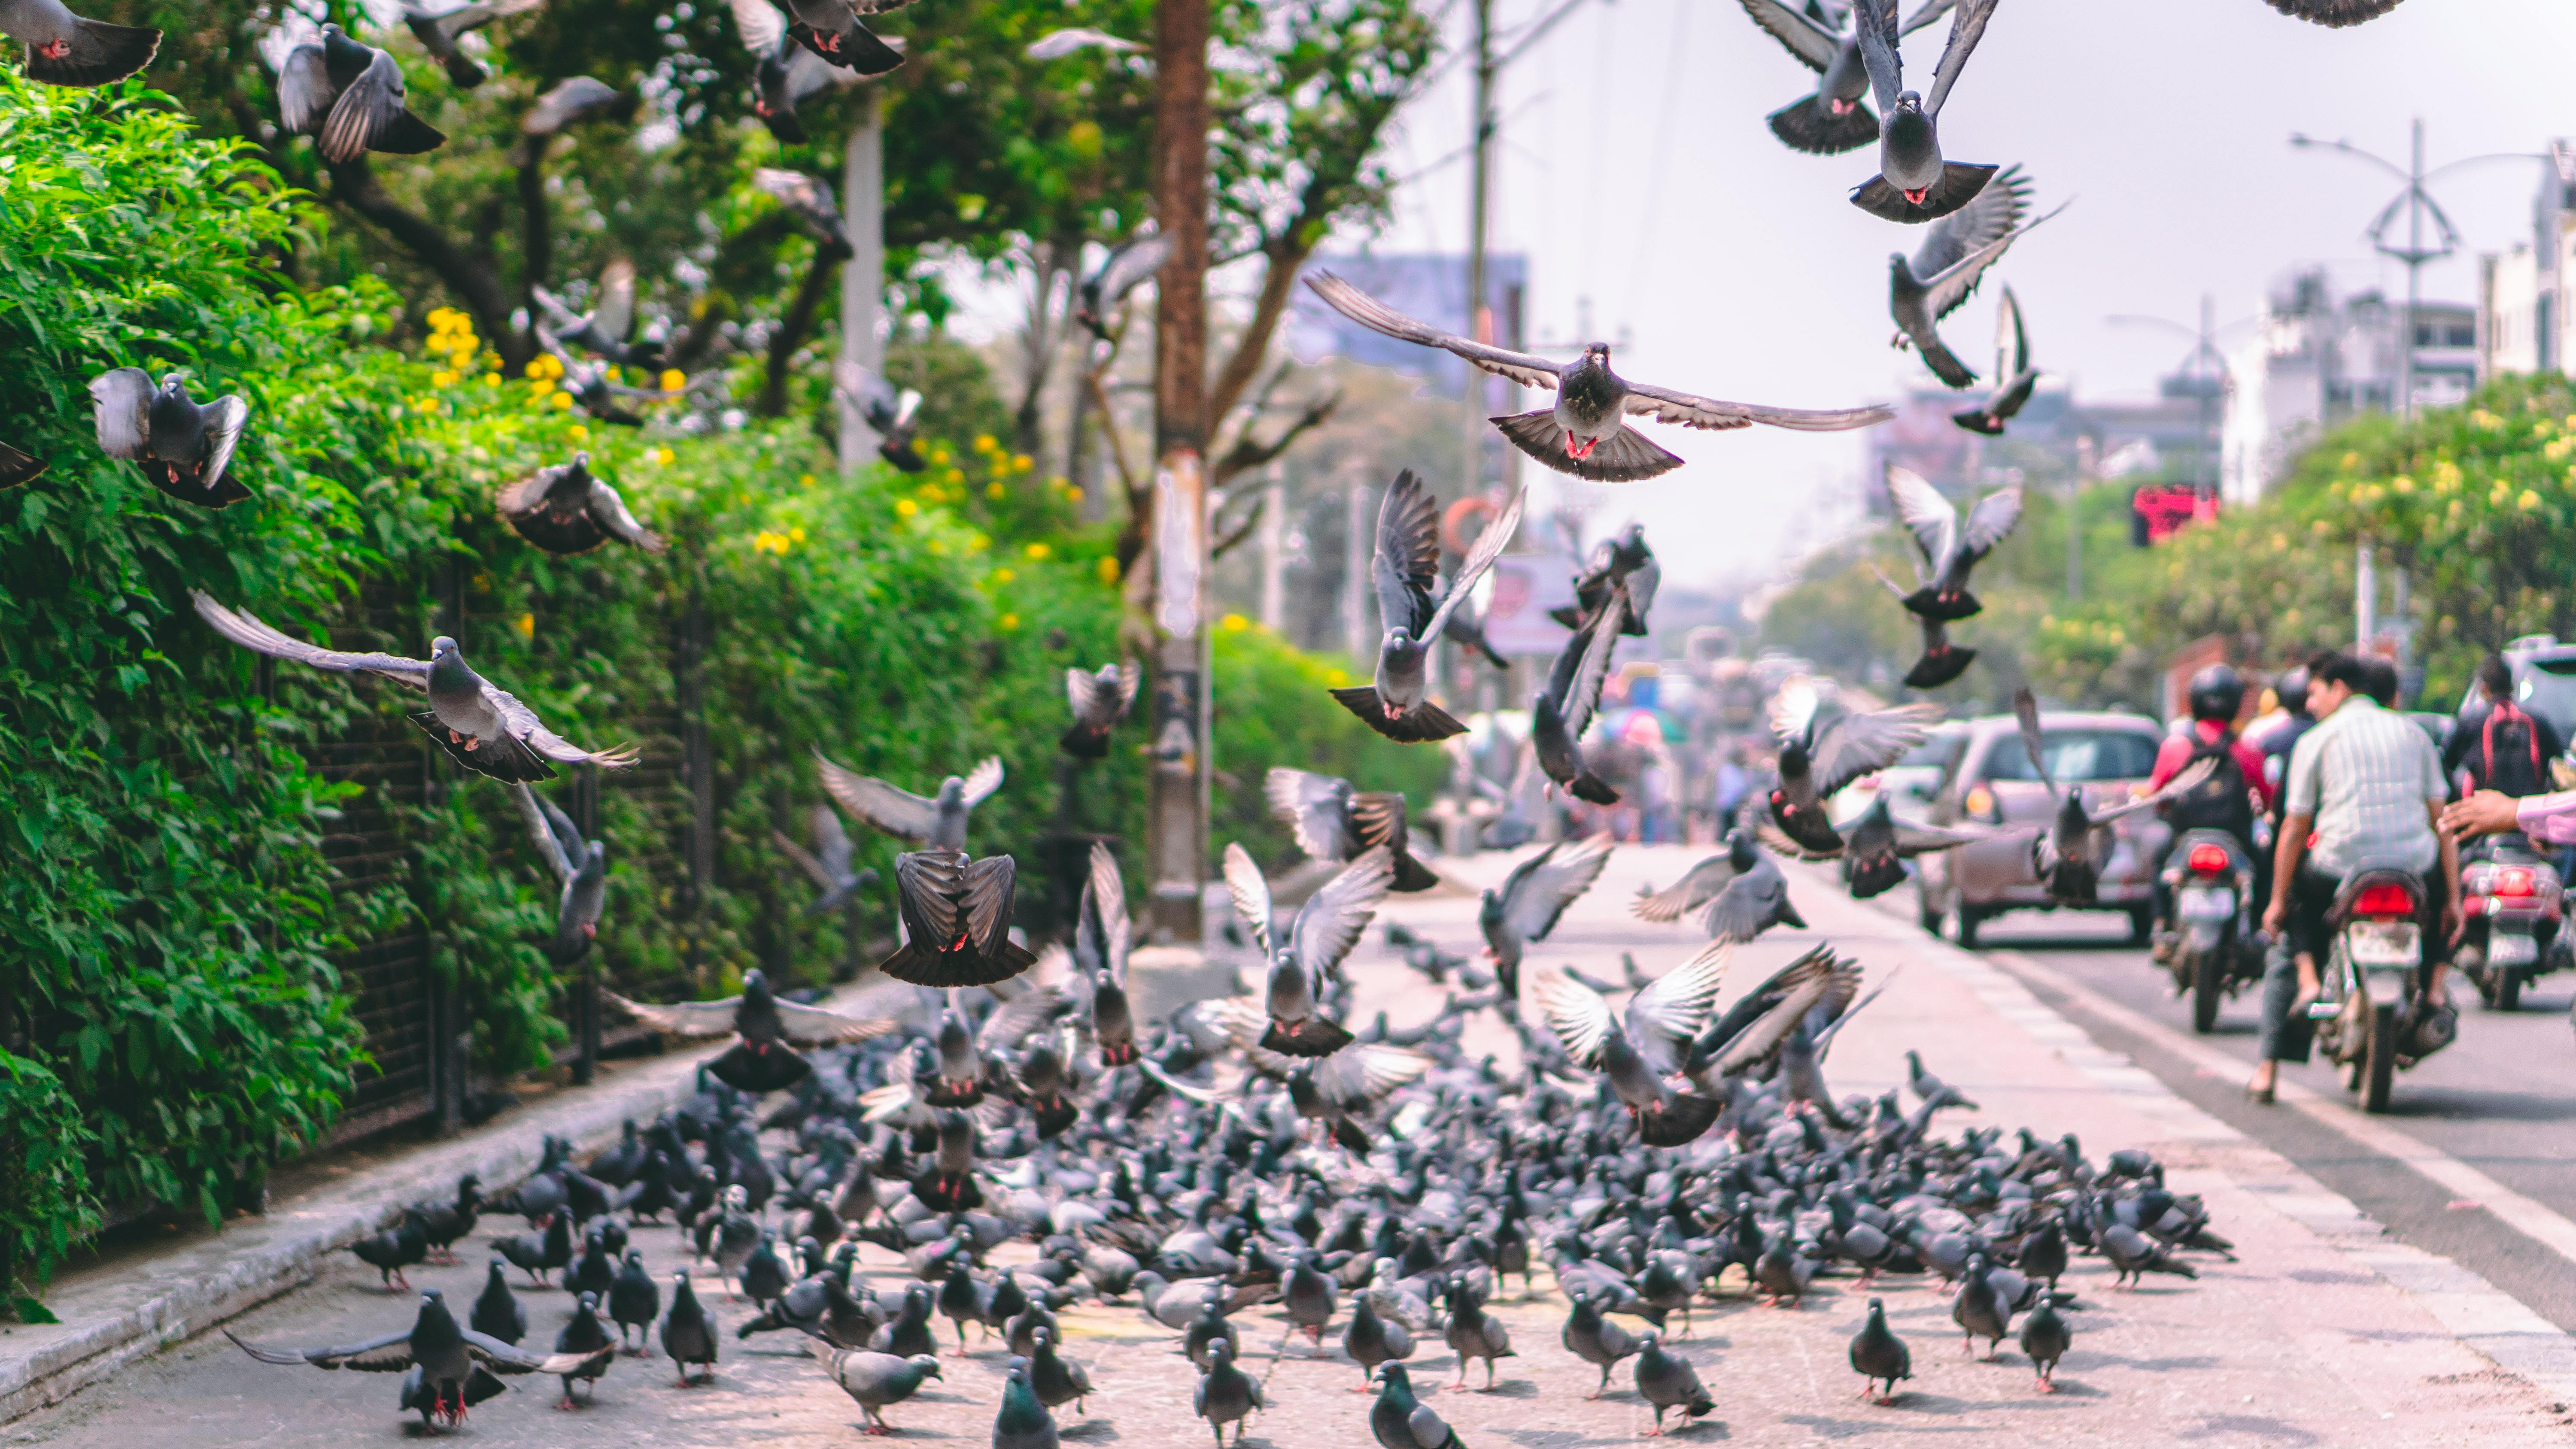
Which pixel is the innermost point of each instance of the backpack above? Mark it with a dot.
(2220, 802)
(2511, 750)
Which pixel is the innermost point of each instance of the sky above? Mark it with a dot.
(1638, 177)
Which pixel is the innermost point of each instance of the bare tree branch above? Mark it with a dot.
(1251, 519)
(797, 326)
(354, 185)
(1249, 452)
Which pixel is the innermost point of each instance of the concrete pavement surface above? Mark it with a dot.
(2328, 1330)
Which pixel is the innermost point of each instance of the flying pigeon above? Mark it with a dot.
(1941, 660)
(1951, 545)
(762, 1059)
(1638, 1051)
(481, 727)
(1333, 822)
(579, 866)
(1129, 265)
(349, 97)
(956, 919)
(1754, 899)
(939, 823)
(1102, 937)
(789, 73)
(1404, 571)
(2334, 12)
(1832, 120)
(1585, 434)
(437, 32)
(1100, 699)
(1876, 847)
(1057, 44)
(2066, 854)
(1818, 758)
(605, 328)
(893, 416)
(809, 200)
(2015, 378)
(1913, 183)
(569, 102)
(1945, 269)
(828, 863)
(1325, 929)
(567, 509)
(1560, 713)
(831, 30)
(1623, 560)
(1533, 898)
(17, 467)
(64, 49)
(456, 1364)
(182, 444)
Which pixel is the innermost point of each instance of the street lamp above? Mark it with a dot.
(2419, 205)
(2204, 354)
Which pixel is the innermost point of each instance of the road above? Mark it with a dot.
(2499, 1101)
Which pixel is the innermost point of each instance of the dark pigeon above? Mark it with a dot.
(64, 49)
(1914, 183)
(1404, 571)
(184, 447)
(349, 97)
(437, 32)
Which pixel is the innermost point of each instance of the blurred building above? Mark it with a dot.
(2057, 437)
(2315, 359)
(2523, 316)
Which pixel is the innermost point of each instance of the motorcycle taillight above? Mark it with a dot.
(2208, 859)
(2386, 900)
(2511, 880)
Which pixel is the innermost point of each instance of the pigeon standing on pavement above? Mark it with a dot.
(634, 1301)
(1398, 1420)
(2015, 378)
(1667, 1381)
(1099, 699)
(1956, 254)
(64, 49)
(1128, 266)
(1818, 757)
(1595, 1339)
(1979, 1310)
(1533, 898)
(875, 1380)
(1326, 927)
(498, 1312)
(2045, 1337)
(829, 863)
(1563, 711)
(348, 96)
(1879, 1356)
(1333, 822)
(1404, 569)
(438, 31)
(184, 446)
(1586, 432)
(1832, 120)
(1054, 1378)
(1371, 1340)
(1914, 183)
(1637, 1054)
(762, 1059)
(1226, 1394)
(394, 1249)
(584, 1336)
(689, 1332)
(938, 822)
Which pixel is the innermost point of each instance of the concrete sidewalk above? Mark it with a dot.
(2323, 1333)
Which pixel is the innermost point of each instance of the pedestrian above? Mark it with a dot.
(1734, 782)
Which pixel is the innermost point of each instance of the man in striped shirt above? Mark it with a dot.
(2368, 786)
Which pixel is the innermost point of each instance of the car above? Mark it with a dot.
(1991, 783)
(1912, 781)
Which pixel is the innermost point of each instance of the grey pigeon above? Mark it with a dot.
(479, 726)
(567, 510)
(1586, 433)
(584, 1335)
(498, 1312)
(894, 416)
(17, 467)
(788, 73)
(1054, 1378)
(764, 1275)
(689, 1332)
(2133, 1255)
(64, 49)
(1914, 184)
(1225, 1395)
(1327, 926)
(809, 200)
(1637, 1054)
(1099, 700)
(606, 327)
(876, 1380)
(1404, 570)
(1879, 1356)
(1950, 545)
(2045, 1337)
(1533, 898)
(1956, 254)
(1398, 1420)
(1371, 1340)
(763, 1058)
(2015, 378)
(939, 823)
(2066, 855)
(1930, 1088)
(1561, 712)
(1818, 756)
(1665, 1380)
(1595, 1339)
(1941, 661)
(1333, 822)
(1833, 119)
(828, 864)
(957, 920)
(634, 1301)
(1755, 900)
(1309, 1295)
(1102, 939)
(183, 446)
(438, 31)
(1979, 1310)
(831, 30)
(1692, 892)
(1622, 559)
(349, 97)
(565, 104)
(579, 866)
(1057, 44)
(1129, 265)
(1784, 1272)
(908, 1334)
(1473, 1333)
(2334, 12)
(396, 1248)
(455, 1365)
(1209, 1332)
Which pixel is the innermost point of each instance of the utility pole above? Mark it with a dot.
(1274, 552)
(1176, 817)
(1355, 578)
(2204, 483)
(1480, 316)
(2365, 596)
(863, 275)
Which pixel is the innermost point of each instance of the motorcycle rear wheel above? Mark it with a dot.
(2508, 988)
(2379, 1059)
(2208, 987)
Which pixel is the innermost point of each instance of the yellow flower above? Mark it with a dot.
(796, 533)
(526, 624)
(2402, 484)
(2351, 461)
(977, 543)
(1037, 550)
(1003, 576)
(1010, 621)
(939, 457)
(563, 402)
(996, 492)
(1072, 494)
(442, 379)
(665, 456)
(1107, 568)
(2528, 501)
(984, 443)
(579, 433)
(491, 379)
(673, 379)
(541, 386)
(1234, 623)
(426, 405)
(956, 475)
(804, 480)
(1337, 677)
(905, 507)
(1023, 462)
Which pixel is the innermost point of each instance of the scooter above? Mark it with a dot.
(2512, 903)
(2372, 1015)
(2215, 948)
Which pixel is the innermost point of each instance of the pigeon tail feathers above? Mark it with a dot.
(1314, 1037)
(503, 759)
(1958, 186)
(1588, 786)
(1682, 1118)
(1625, 456)
(1807, 125)
(1936, 669)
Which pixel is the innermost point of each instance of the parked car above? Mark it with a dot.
(1992, 783)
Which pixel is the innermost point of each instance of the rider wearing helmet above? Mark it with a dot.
(2226, 800)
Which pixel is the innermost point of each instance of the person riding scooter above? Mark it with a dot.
(2226, 800)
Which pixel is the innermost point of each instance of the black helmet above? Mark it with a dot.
(2216, 693)
(2292, 690)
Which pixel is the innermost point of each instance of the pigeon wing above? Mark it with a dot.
(1811, 43)
(1913, 839)
(1793, 711)
(1860, 744)
(1689, 893)
(804, 859)
(1369, 312)
(1361, 1075)
(818, 1026)
(1992, 519)
(2026, 711)
(1874, 27)
(225, 418)
(521, 724)
(1777, 841)
(2012, 344)
(614, 317)
(983, 780)
(1128, 267)
(1671, 1010)
(389, 1354)
(1932, 10)
(1057, 44)
(1575, 1012)
(1578, 693)
(247, 631)
(1966, 28)
(365, 112)
(1013, 1020)
(1330, 922)
(1489, 547)
(987, 902)
(928, 884)
(2188, 779)
(304, 91)
(1407, 561)
(1552, 883)
(762, 26)
(682, 1018)
(1108, 893)
(567, 836)
(1989, 216)
(609, 508)
(550, 847)
(1692, 411)
(895, 811)
(1945, 291)
(1927, 515)
(1804, 983)
(1315, 808)
(121, 398)
(1251, 892)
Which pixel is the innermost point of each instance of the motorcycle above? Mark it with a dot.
(2512, 899)
(2215, 950)
(2372, 1016)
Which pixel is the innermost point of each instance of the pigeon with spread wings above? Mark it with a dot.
(1914, 183)
(1832, 120)
(453, 1363)
(1397, 704)
(1818, 757)
(2067, 856)
(1638, 1053)
(567, 509)
(1337, 1091)
(1615, 562)
(1102, 937)
(1326, 927)
(1876, 846)
(1100, 699)
(764, 1059)
(1586, 432)
(1941, 660)
(580, 869)
(438, 32)
(1950, 545)
(829, 863)
(2015, 378)
(1560, 713)
(1746, 1040)
(789, 73)
(939, 823)
(1755, 897)
(1954, 257)
(1534, 896)
(183, 445)
(831, 30)
(1333, 822)
(956, 920)
(482, 728)
(1129, 265)
(349, 98)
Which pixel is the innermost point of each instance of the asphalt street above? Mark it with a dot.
(2499, 1100)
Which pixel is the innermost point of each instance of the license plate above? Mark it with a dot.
(2510, 948)
(2382, 944)
(2206, 905)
